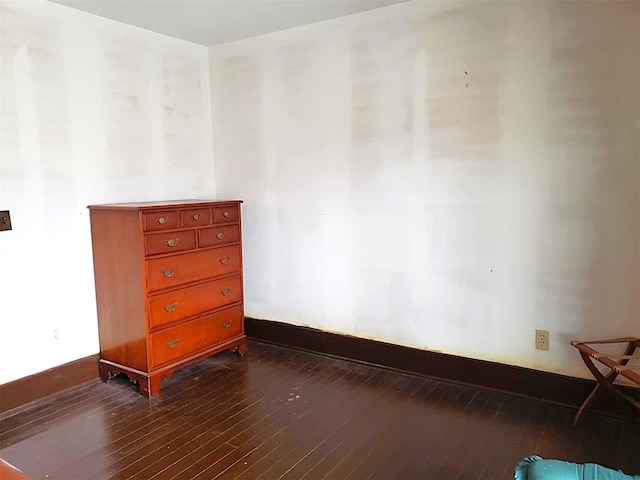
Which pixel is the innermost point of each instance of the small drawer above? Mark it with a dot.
(169, 242)
(225, 214)
(187, 302)
(210, 237)
(159, 220)
(190, 267)
(195, 336)
(195, 218)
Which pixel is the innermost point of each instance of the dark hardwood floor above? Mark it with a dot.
(281, 413)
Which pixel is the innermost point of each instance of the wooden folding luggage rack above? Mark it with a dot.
(617, 363)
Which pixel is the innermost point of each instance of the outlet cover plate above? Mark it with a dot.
(542, 339)
(5, 220)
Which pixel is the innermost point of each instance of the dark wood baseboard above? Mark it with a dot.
(556, 388)
(37, 386)
(553, 387)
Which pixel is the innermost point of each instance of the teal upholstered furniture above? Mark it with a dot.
(537, 468)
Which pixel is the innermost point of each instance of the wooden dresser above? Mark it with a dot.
(168, 286)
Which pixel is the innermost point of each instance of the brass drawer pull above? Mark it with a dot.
(196, 216)
(170, 308)
(172, 242)
(225, 261)
(227, 324)
(168, 273)
(220, 235)
(226, 214)
(163, 220)
(225, 292)
(172, 343)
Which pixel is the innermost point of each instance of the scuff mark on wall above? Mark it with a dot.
(128, 118)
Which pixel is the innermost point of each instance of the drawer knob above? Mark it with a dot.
(172, 343)
(225, 292)
(196, 216)
(168, 273)
(163, 220)
(170, 308)
(172, 242)
(220, 235)
(225, 261)
(226, 214)
(227, 324)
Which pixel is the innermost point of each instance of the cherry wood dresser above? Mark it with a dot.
(168, 286)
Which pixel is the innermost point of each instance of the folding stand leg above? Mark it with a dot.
(603, 382)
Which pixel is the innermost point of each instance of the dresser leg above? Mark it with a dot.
(242, 349)
(144, 387)
(104, 372)
(150, 387)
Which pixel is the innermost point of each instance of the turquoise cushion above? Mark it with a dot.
(537, 468)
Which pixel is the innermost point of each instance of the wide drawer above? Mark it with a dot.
(169, 242)
(190, 267)
(230, 327)
(226, 214)
(195, 336)
(210, 237)
(163, 220)
(186, 302)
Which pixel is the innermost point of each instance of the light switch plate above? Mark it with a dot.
(5, 220)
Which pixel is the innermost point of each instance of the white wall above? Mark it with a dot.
(92, 111)
(447, 176)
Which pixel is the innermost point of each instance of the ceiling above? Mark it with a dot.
(211, 22)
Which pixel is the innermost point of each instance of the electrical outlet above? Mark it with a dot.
(5, 220)
(542, 339)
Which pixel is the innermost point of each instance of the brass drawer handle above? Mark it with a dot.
(227, 324)
(172, 242)
(172, 343)
(220, 235)
(226, 214)
(163, 220)
(168, 273)
(225, 292)
(170, 308)
(225, 261)
(196, 216)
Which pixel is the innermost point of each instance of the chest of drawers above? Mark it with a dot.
(168, 281)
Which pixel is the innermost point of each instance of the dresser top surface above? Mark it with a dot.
(163, 204)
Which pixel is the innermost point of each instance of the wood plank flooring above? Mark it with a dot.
(280, 413)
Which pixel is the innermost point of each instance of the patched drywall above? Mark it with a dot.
(92, 111)
(442, 175)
